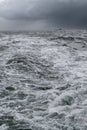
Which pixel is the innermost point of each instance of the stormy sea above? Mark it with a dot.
(43, 80)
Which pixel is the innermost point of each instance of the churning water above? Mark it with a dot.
(43, 80)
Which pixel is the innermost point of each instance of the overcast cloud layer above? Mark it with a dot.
(39, 14)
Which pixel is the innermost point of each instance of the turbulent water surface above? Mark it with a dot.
(43, 80)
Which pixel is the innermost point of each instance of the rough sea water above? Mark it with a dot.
(43, 80)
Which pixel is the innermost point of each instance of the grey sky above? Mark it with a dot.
(39, 14)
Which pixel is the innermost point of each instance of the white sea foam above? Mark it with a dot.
(43, 81)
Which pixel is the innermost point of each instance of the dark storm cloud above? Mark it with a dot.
(73, 14)
(35, 13)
